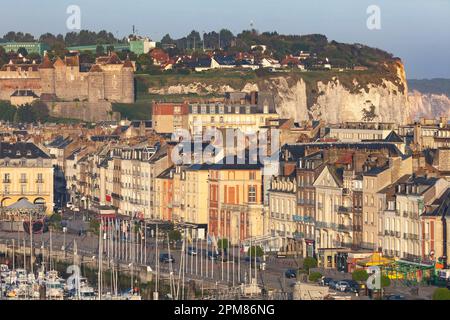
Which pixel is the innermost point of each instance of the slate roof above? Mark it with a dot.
(441, 206)
(21, 150)
(298, 150)
(24, 93)
(393, 137)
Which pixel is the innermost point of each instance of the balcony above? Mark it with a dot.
(344, 228)
(23, 180)
(39, 181)
(6, 180)
(344, 210)
(299, 235)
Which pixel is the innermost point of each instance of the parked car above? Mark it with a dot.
(213, 255)
(325, 281)
(394, 297)
(166, 258)
(342, 286)
(291, 274)
(247, 259)
(354, 286)
(192, 251)
(332, 284)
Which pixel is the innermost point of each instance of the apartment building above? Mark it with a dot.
(308, 170)
(360, 131)
(436, 232)
(403, 231)
(374, 180)
(26, 172)
(333, 228)
(235, 200)
(282, 214)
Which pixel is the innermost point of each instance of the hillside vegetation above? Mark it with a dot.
(433, 86)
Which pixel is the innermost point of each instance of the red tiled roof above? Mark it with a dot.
(46, 63)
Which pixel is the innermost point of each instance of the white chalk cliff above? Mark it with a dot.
(333, 101)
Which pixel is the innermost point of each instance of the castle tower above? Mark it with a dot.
(96, 84)
(60, 77)
(47, 75)
(112, 70)
(128, 82)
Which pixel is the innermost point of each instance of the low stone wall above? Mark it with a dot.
(86, 111)
(11, 226)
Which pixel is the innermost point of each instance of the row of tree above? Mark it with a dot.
(278, 46)
(28, 113)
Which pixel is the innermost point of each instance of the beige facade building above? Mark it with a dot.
(333, 229)
(26, 172)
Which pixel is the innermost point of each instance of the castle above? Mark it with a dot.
(109, 79)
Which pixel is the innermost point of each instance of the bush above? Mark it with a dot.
(255, 250)
(315, 276)
(385, 281)
(222, 244)
(94, 226)
(360, 275)
(309, 263)
(174, 235)
(441, 294)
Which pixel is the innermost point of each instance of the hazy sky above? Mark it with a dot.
(418, 31)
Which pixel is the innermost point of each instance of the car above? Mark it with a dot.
(213, 255)
(332, 284)
(353, 286)
(325, 281)
(248, 258)
(291, 274)
(166, 258)
(192, 251)
(342, 286)
(394, 297)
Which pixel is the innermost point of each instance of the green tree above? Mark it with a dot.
(100, 50)
(22, 51)
(222, 244)
(174, 235)
(94, 226)
(25, 114)
(441, 294)
(255, 250)
(315, 276)
(144, 61)
(385, 281)
(360, 275)
(7, 111)
(309, 263)
(40, 110)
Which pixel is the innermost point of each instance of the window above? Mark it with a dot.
(40, 178)
(6, 189)
(23, 178)
(251, 194)
(252, 175)
(7, 178)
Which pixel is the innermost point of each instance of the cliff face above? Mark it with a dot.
(335, 103)
(428, 105)
(333, 98)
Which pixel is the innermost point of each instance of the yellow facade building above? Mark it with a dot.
(26, 172)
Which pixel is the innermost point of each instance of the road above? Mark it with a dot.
(197, 267)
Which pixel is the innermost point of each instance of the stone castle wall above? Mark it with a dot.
(114, 83)
(86, 111)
